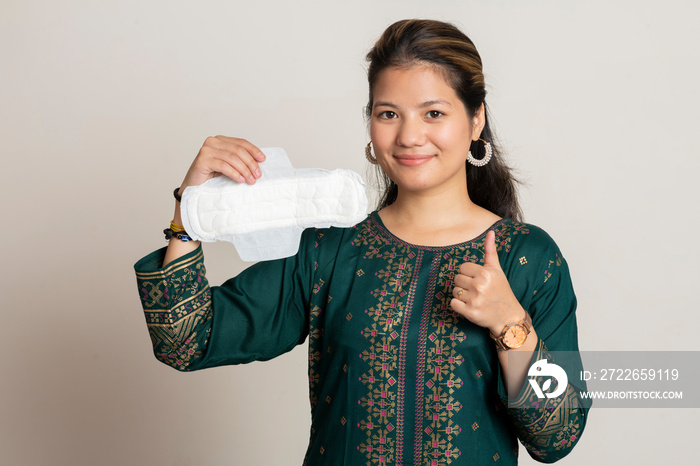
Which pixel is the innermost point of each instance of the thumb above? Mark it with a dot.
(490, 251)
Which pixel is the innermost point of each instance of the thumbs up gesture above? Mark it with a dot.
(482, 293)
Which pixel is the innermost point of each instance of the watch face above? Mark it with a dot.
(515, 336)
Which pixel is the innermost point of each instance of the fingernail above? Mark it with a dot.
(261, 156)
(251, 179)
(258, 173)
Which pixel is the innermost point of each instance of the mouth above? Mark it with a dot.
(412, 160)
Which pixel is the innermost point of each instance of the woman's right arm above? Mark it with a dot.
(259, 314)
(220, 155)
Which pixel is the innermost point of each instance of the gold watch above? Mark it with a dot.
(514, 335)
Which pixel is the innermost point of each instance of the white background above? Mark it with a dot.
(103, 105)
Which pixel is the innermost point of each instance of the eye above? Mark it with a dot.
(387, 115)
(434, 114)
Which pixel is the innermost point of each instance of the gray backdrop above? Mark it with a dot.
(103, 105)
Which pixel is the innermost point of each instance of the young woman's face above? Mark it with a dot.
(420, 130)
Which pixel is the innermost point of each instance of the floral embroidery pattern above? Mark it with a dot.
(436, 409)
(442, 360)
(176, 301)
(383, 426)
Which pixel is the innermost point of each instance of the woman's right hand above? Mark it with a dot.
(221, 155)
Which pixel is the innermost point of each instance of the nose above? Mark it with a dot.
(411, 133)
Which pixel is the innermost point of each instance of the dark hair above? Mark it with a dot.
(426, 42)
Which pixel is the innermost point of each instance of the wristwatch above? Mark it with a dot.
(513, 335)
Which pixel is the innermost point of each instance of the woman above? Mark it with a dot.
(411, 315)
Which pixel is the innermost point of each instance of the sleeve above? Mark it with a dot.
(550, 427)
(257, 315)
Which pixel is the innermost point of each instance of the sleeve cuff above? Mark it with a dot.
(153, 262)
(526, 392)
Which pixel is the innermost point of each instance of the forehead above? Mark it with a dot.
(412, 86)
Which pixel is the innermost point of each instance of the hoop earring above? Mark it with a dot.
(488, 152)
(368, 154)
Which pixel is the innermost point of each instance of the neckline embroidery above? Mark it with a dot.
(377, 222)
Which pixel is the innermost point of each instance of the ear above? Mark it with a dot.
(478, 122)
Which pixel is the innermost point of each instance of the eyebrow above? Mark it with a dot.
(424, 104)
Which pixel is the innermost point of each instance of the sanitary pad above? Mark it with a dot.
(264, 221)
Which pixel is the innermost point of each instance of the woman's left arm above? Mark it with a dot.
(547, 427)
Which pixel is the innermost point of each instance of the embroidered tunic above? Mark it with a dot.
(395, 376)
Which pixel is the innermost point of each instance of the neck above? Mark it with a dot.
(442, 208)
(438, 218)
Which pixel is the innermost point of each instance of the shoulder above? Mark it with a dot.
(528, 250)
(328, 242)
(530, 258)
(331, 235)
(524, 237)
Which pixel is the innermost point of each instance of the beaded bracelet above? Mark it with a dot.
(181, 235)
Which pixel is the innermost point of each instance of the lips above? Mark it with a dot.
(412, 160)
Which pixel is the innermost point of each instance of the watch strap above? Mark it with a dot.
(525, 323)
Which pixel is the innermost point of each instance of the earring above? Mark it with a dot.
(368, 154)
(488, 152)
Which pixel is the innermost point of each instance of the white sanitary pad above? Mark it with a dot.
(264, 221)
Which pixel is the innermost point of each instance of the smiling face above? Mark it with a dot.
(420, 130)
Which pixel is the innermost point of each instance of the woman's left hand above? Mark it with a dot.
(482, 293)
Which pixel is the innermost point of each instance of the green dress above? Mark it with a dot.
(395, 376)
